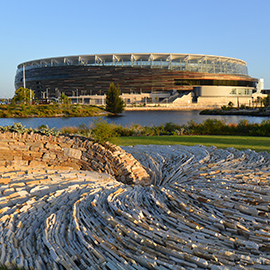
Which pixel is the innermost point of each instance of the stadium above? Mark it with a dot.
(165, 78)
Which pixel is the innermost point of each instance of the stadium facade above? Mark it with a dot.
(142, 77)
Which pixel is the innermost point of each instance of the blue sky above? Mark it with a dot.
(32, 29)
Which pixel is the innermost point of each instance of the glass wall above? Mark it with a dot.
(241, 92)
(194, 82)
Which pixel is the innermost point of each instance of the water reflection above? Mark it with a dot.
(144, 118)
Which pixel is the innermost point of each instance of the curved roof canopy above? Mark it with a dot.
(196, 62)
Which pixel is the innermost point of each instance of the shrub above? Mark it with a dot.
(69, 130)
(85, 131)
(123, 131)
(137, 130)
(171, 127)
(45, 130)
(213, 126)
(103, 131)
(243, 127)
(19, 128)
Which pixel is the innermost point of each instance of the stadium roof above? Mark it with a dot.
(133, 57)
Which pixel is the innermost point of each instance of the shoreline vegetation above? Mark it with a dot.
(83, 110)
(241, 110)
(101, 130)
(22, 105)
(211, 132)
(50, 110)
(114, 106)
(234, 111)
(104, 130)
(242, 136)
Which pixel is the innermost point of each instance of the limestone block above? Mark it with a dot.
(4, 145)
(18, 147)
(52, 146)
(37, 164)
(73, 153)
(8, 191)
(219, 267)
(18, 163)
(100, 158)
(6, 155)
(247, 209)
(66, 165)
(48, 156)
(4, 181)
(34, 154)
(22, 193)
(35, 144)
(3, 164)
(4, 210)
(26, 156)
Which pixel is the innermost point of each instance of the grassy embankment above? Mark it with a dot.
(239, 142)
(243, 135)
(49, 110)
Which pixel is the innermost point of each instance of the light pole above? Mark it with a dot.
(24, 82)
(47, 94)
(57, 94)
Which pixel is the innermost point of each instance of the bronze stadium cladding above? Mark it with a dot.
(96, 79)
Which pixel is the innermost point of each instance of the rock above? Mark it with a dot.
(74, 153)
(203, 207)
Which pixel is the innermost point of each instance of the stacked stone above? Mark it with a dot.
(69, 152)
(115, 161)
(31, 203)
(207, 208)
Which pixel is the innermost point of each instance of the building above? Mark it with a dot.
(142, 77)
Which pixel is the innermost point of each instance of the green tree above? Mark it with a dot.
(64, 99)
(114, 102)
(230, 104)
(266, 101)
(23, 95)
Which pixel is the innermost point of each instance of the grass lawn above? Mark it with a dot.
(238, 142)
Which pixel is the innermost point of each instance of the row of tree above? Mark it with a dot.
(23, 95)
(114, 102)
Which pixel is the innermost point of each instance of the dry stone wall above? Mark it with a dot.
(207, 208)
(18, 151)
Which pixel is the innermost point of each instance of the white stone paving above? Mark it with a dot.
(207, 208)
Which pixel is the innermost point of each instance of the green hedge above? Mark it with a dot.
(102, 130)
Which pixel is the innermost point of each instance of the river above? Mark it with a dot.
(144, 118)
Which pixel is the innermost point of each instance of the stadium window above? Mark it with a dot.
(248, 91)
(233, 92)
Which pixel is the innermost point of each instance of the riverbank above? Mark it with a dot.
(129, 118)
(50, 110)
(205, 110)
(81, 110)
(169, 107)
(248, 112)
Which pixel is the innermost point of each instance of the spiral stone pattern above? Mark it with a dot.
(207, 208)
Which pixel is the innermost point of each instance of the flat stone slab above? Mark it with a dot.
(207, 208)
